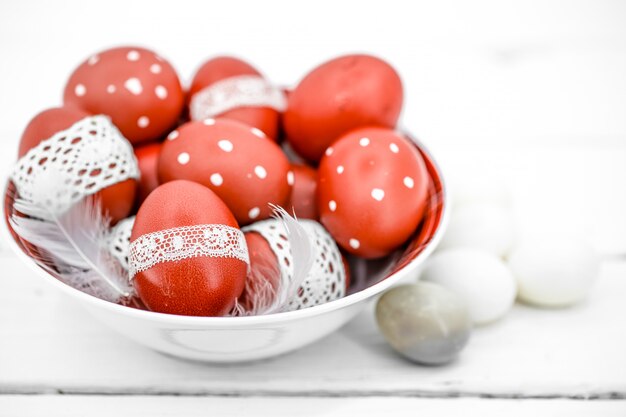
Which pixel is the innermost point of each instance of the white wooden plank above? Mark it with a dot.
(50, 345)
(68, 406)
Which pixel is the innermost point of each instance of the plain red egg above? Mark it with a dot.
(340, 95)
(147, 159)
(137, 88)
(211, 73)
(117, 199)
(195, 286)
(303, 200)
(372, 190)
(246, 171)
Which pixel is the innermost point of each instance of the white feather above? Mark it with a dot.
(302, 252)
(263, 297)
(72, 245)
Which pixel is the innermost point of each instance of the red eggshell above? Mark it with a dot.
(338, 96)
(265, 119)
(138, 89)
(372, 191)
(117, 200)
(147, 158)
(200, 286)
(264, 268)
(303, 199)
(346, 268)
(246, 171)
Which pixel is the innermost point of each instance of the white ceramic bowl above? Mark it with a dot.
(238, 339)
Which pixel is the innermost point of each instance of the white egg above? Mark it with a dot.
(482, 226)
(481, 279)
(554, 272)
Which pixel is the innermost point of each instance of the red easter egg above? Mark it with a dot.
(223, 75)
(372, 190)
(303, 201)
(193, 285)
(116, 199)
(147, 158)
(137, 88)
(340, 95)
(247, 172)
(346, 267)
(264, 273)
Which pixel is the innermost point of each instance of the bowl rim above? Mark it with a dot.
(244, 321)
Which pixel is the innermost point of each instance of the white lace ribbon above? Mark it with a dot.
(90, 155)
(171, 245)
(327, 279)
(234, 92)
(118, 240)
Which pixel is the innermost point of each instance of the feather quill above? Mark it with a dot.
(72, 244)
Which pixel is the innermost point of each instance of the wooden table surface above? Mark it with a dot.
(532, 96)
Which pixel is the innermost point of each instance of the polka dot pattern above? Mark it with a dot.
(80, 90)
(216, 179)
(161, 92)
(145, 87)
(260, 172)
(143, 122)
(378, 194)
(372, 173)
(183, 158)
(133, 55)
(248, 174)
(254, 213)
(258, 132)
(134, 86)
(225, 145)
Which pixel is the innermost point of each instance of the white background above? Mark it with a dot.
(531, 94)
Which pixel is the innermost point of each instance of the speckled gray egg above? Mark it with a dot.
(424, 322)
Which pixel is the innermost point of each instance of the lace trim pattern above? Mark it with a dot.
(234, 92)
(90, 155)
(171, 245)
(118, 240)
(327, 279)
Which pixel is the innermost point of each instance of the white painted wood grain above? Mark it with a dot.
(24, 406)
(50, 345)
(532, 93)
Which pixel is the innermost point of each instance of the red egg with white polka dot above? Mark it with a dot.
(86, 154)
(372, 191)
(246, 170)
(147, 158)
(187, 255)
(231, 88)
(137, 88)
(303, 200)
(340, 95)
